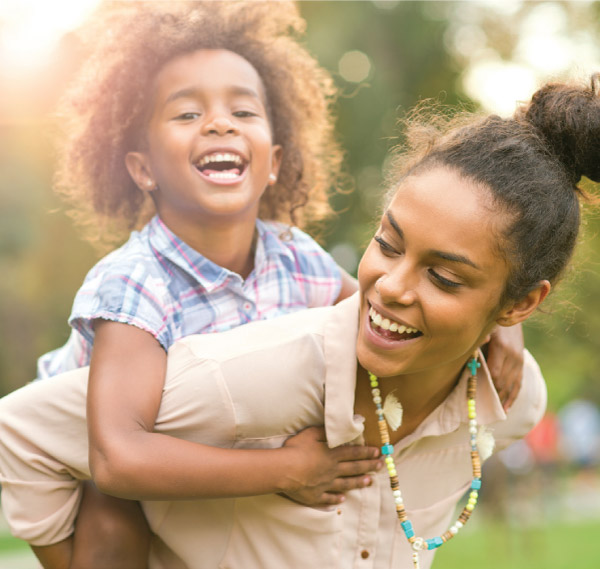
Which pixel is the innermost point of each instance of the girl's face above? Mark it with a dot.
(210, 153)
(432, 277)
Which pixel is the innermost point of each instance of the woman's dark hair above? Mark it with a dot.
(531, 164)
(104, 113)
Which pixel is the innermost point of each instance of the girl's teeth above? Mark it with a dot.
(402, 329)
(394, 327)
(378, 319)
(385, 324)
(223, 175)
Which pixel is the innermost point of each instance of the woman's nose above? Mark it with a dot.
(396, 287)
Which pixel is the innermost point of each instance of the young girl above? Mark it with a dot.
(195, 122)
(481, 222)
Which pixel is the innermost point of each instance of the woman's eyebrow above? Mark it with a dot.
(395, 225)
(453, 257)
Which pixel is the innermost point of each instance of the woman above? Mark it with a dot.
(480, 225)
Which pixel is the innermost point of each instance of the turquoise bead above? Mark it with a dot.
(434, 542)
(387, 449)
(476, 484)
(473, 365)
(408, 529)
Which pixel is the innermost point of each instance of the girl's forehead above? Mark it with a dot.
(208, 70)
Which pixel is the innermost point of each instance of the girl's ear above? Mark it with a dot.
(276, 158)
(522, 309)
(139, 169)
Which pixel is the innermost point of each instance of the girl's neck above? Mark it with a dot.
(229, 245)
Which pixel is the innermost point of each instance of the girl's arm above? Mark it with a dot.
(505, 360)
(128, 459)
(349, 285)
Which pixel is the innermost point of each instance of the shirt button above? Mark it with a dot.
(247, 306)
(364, 554)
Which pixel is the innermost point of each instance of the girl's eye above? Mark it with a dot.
(187, 116)
(443, 281)
(244, 114)
(384, 246)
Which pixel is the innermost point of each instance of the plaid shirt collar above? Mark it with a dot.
(167, 246)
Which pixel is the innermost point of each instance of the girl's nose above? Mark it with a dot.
(219, 124)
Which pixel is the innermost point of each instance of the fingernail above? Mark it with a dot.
(367, 481)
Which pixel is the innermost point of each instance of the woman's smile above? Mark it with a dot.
(432, 278)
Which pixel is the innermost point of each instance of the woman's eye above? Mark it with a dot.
(443, 280)
(384, 246)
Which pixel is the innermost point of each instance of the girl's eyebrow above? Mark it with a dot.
(453, 257)
(191, 92)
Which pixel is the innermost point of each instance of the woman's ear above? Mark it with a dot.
(522, 309)
(139, 169)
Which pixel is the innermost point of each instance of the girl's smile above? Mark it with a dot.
(210, 153)
(222, 166)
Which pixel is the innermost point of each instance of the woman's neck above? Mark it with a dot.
(420, 394)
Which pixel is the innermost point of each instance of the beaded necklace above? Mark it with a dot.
(387, 450)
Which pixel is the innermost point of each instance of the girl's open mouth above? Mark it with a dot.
(222, 167)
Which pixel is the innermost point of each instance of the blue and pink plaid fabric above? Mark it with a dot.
(159, 284)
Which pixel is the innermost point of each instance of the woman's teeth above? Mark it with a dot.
(387, 324)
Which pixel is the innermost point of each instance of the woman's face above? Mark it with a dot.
(432, 277)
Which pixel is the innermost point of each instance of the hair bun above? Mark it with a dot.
(568, 117)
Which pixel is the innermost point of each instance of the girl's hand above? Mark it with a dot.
(319, 476)
(505, 362)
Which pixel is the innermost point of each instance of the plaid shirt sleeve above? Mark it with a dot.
(316, 269)
(128, 294)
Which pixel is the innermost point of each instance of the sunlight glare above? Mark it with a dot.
(497, 85)
(31, 29)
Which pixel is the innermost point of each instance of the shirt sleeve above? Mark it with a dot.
(319, 273)
(126, 294)
(74, 354)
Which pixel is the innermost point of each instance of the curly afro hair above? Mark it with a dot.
(103, 114)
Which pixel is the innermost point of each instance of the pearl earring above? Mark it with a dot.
(272, 178)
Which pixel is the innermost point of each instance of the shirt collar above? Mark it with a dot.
(207, 273)
(341, 424)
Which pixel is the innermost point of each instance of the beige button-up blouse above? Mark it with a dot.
(253, 387)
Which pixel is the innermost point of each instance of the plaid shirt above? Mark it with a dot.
(159, 284)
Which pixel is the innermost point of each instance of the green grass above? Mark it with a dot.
(484, 544)
(548, 546)
(9, 544)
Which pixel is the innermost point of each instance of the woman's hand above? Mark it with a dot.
(505, 361)
(319, 476)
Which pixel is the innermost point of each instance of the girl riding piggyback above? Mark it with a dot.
(207, 128)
